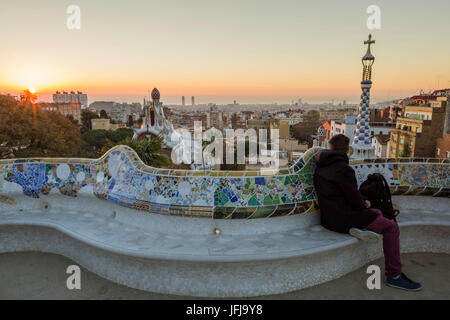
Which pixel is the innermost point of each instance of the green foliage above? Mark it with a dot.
(72, 119)
(130, 121)
(95, 140)
(309, 125)
(103, 114)
(26, 130)
(86, 117)
(148, 151)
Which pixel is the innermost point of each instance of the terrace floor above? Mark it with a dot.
(34, 275)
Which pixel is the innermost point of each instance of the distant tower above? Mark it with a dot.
(193, 101)
(182, 101)
(362, 146)
(155, 122)
(322, 136)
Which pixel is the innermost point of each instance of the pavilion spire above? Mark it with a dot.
(362, 145)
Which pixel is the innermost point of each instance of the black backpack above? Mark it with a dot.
(376, 190)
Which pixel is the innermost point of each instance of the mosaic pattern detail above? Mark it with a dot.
(362, 132)
(120, 177)
(424, 177)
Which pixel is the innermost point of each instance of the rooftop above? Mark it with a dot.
(382, 138)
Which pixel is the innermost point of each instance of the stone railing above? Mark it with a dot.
(121, 178)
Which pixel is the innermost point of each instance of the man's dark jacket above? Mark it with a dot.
(341, 204)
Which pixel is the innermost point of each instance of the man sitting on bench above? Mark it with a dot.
(344, 210)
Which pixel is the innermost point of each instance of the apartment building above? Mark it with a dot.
(416, 134)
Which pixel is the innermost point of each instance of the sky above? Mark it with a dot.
(252, 51)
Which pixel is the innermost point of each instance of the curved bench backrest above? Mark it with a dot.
(121, 177)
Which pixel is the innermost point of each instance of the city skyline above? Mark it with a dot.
(224, 52)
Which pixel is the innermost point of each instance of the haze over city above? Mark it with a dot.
(249, 51)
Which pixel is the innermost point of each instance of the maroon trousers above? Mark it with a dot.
(391, 242)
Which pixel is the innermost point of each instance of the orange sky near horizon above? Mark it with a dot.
(251, 51)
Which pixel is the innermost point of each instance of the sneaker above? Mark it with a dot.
(365, 235)
(403, 282)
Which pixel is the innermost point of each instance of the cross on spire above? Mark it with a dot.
(369, 42)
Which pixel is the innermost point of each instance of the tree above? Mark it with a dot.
(26, 130)
(309, 125)
(86, 117)
(130, 121)
(95, 140)
(28, 96)
(72, 119)
(150, 152)
(103, 114)
(140, 121)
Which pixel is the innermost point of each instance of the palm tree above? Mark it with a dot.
(150, 152)
(28, 96)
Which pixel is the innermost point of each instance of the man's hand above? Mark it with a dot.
(367, 203)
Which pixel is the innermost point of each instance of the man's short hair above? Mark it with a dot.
(340, 143)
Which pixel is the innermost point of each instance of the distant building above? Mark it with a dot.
(105, 124)
(443, 142)
(320, 139)
(257, 124)
(379, 115)
(65, 97)
(348, 127)
(193, 100)
(395, 111)
(102, 105)
(216, 119)
(380, 145)
(282, 126)
(69, 108)
(238, 120)
(327, 115)
(327, 127)
(121, 112)
(416, 133)
(418, 112)
(345, 127)
(182, 101)
(443, 147)
(117, 111)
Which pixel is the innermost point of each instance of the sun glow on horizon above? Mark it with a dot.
(32, 90)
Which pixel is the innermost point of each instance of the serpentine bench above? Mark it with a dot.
(173, 232)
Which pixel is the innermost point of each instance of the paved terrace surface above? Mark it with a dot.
(32, 275)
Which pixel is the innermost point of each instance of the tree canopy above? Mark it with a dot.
(86, 117)
(150, 152)
(95, 140)
(26, 130)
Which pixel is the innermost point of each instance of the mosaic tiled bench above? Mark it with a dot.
(153, 229)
